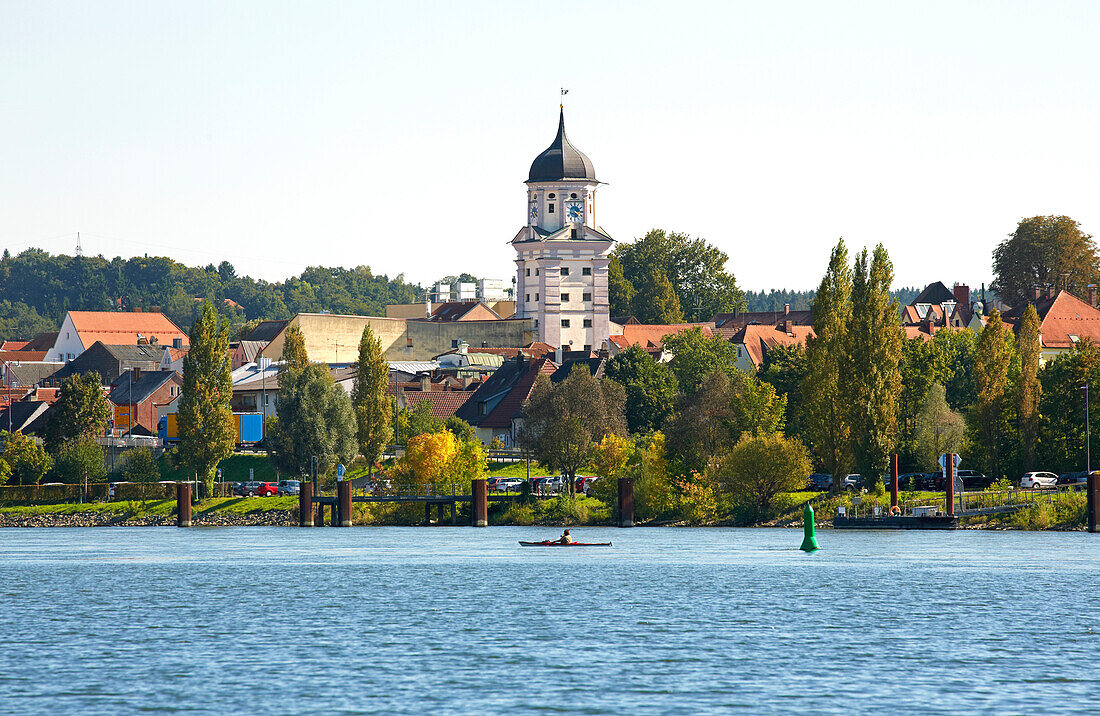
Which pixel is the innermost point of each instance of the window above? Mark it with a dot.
(564, 270)
(481, 407)
(552, 196)
(536, 298)
(550, 209)
(588, 323)
(454, 343)
(485, 344)
(528, 298)
(565, 298)
(572, 233)
(586, 271)
(536, 272)
(565, 348)
(572, 196)
(408, 341)
(565, 323)
(587, 348)
(1074, 338)
(528, 272)
(586, 297)
(536, 323)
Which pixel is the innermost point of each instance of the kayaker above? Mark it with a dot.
(566, 538)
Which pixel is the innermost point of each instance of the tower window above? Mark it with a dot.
(551, 196)
(536, 298)
(586, 297)
(565, 298)
(564, 270)
(588, 323)
(536, 272)
(572, 233)
(550, 209)
(528, 298)
(528, 272)
(572, 196)
(587, 348)
(565, 323)
(586, 271)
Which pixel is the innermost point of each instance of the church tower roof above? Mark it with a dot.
(561, 160)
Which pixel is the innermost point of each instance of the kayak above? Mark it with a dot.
(555, 543)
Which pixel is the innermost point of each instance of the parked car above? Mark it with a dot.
(506, 484)
(974, 480)
(551, 485)
(821, 481)
(267, 489)
(290, 487)
(1038, 481)
(588, 484)
(248, 489)
(1073, 478)
(852, 482)
(908, 481)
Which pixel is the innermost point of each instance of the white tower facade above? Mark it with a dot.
(562, 255)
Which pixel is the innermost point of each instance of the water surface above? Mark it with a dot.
(464, 621)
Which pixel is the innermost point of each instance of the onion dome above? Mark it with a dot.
(561, 160)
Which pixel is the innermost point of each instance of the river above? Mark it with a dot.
(456, 620)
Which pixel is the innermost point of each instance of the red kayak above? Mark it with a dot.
(555, 543)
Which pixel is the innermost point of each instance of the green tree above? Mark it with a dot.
(373, 408)
(1061, 445)
(989, 421)
(206, 430)
(79, 460)
(141, 468)
(460, 429)
(81, 411)
(316, 419)
(938, 429)
(1029, 390)
(826, 413)
(695, 269)
(294, 349)
(418, 421)
(953, 366)
(917, 376)
(620, 291)
(26, 458)
(5, 472)
(785, 368)
(761, 466)
(656, 301)
(695, 355)
(650, 388)
(872, 376)
(563, 422)
(1044, 251)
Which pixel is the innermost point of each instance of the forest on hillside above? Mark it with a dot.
(37, 289)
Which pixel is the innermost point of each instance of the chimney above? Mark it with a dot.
(136, 309)
(962, 294)
(135, 374)
(1038, 292)
(786, 309)
(605, 351)
(557, 355)
(142, 341)
(1092, 295)
(428, 307)
(425, 382)
(1051, 290)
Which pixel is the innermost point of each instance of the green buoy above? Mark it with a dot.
(809, 542)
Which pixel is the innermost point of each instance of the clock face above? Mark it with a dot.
(574, 210)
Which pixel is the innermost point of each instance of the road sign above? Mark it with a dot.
(943, 461)
(340, 470)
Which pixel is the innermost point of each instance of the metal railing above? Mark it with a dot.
(990, 501)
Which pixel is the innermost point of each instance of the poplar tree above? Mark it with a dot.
(826, 412)
(207, 434)
(872, 375)
(992, 358)
(294, 349)
(1029, 389)
(373, 408)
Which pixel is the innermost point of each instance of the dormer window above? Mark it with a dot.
(1074, 338)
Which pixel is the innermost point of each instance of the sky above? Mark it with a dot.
(398, 135)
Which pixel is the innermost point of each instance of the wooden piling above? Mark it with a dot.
(333, 519)
(343, 494)
(183, 504)
(305, 504)
(479, 507)
(1092, 488)
(950, 487)
(321, 515)
(893, 481)
(626, 502)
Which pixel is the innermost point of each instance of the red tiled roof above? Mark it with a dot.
(502, 415)
(759, 339)
(652, 336)
(13, 345)
(117, 328)
(1060, 317)
(8, 355)
(444, 402)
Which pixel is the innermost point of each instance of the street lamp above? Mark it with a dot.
(1088, 446)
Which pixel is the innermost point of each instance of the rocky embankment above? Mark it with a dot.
(97, 519)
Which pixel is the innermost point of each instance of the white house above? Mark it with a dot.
(81, 329)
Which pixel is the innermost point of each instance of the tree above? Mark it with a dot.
(785, 368)
(1044, 251)
(953, 366)
(826, 412)
(1028, 390)
(206, 430)
(620, 291)
(1061, 444)
(761, 465)
(26, 458)
(695, 270)
(938, 429)
(141, 467)
(294, 349)
(872, 376)
(81, 411)
(418, 421)
(5, 470)
(611, 455)
(373, 408)
(79, 460)
(988, 419)
(917, 376)
(695, 355)
(650, 387)
(562, 422)
(439, 460)
(656, 301)
(316, 419)
(460, 429)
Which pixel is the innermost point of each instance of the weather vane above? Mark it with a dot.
(563, 93)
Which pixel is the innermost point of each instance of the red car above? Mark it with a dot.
(267, 489)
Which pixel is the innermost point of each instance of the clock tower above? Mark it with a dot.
(562, 255)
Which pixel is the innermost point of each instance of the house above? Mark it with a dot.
(495, 408)
(82, 329)
(459, 311)
(28, 374)
(110, 361)
(24, 416)
(137, 397)
(755, 340)
(1064, 321)
(596, 367)
(172, 359)
(651, 337)
(936, 306)
(265, 331)
(256, 388)
(734, 322)
(242, 352)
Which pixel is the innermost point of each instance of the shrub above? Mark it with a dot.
(763, 465)
(79, 460)
(26, 458)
